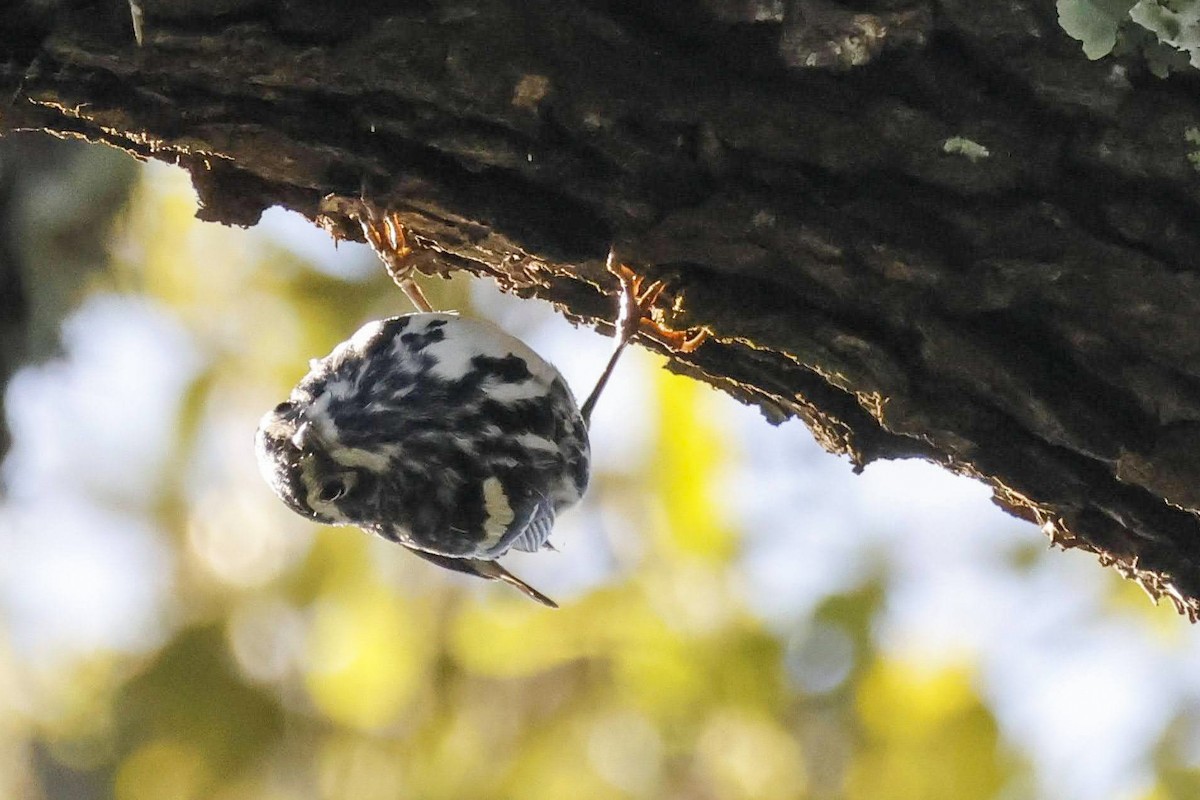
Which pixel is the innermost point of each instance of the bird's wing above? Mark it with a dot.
(529, 529)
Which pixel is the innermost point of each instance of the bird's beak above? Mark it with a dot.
(304, 434)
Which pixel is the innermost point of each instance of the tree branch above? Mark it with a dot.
(928, 230)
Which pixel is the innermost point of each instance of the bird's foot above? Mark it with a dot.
(637, 311)
(387, 236)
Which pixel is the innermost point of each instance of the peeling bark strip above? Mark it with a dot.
(926, 229)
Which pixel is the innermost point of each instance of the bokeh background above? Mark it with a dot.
(742, 616)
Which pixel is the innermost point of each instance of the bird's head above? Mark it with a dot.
(300, 457)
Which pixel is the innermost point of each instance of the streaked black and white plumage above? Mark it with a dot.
(443, 434)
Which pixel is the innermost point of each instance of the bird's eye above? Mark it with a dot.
(283, 407)
(332, 489)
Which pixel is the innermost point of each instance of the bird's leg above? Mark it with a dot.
(389, 239)
(634, 313)
(386, 235)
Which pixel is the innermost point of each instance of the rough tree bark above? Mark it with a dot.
(926, 227)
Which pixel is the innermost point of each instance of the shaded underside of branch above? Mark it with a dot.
(928, 230)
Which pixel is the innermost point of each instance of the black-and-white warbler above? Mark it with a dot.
(443, 434)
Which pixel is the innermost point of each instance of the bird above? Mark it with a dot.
(443, 434)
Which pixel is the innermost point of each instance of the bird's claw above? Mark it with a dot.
(638, 313)
(387, 236)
